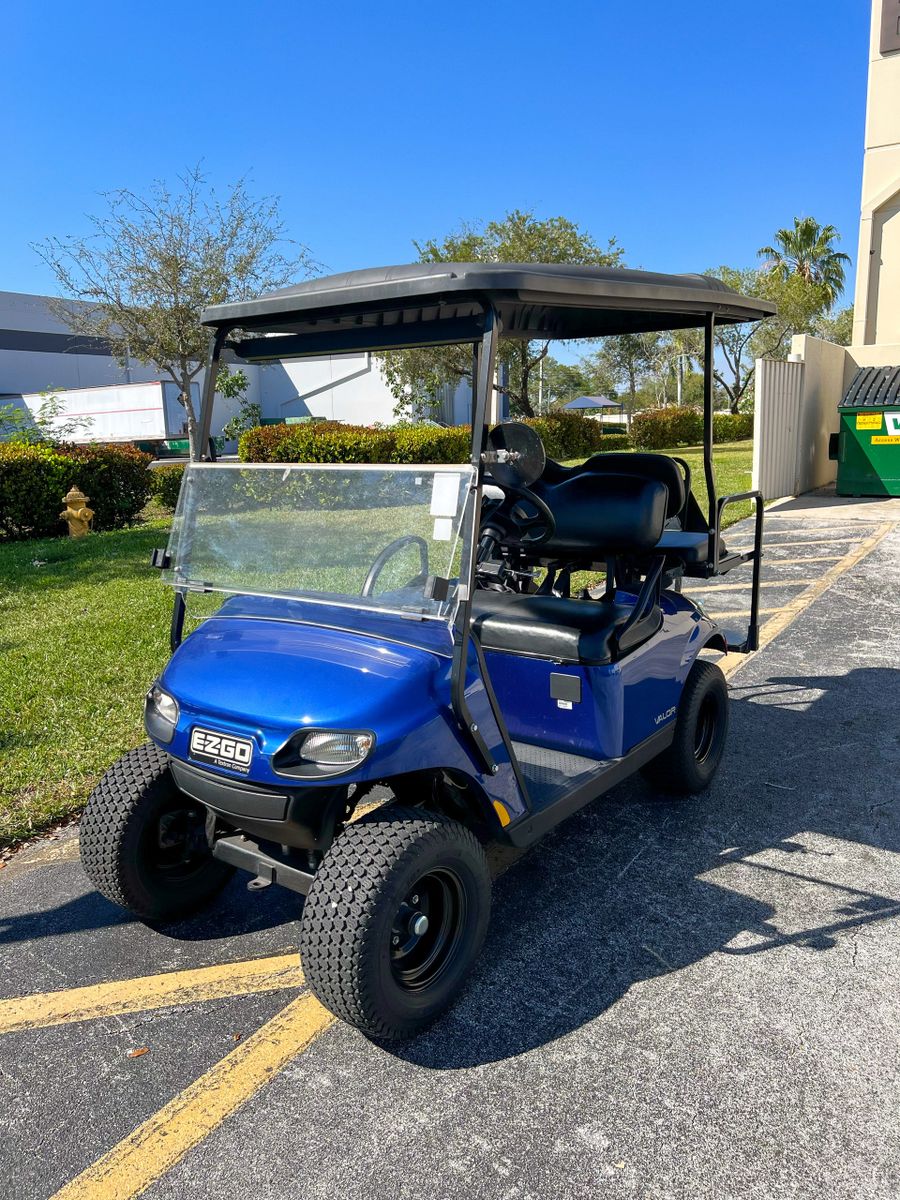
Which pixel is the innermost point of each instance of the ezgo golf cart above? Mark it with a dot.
(417, 627)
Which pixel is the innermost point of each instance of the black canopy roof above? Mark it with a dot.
(439, 303)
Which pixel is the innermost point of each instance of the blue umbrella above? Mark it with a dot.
(592, 402)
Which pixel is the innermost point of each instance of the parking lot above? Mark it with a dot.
(677, 999)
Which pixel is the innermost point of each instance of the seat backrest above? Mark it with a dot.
(599, 514)
(648, 466)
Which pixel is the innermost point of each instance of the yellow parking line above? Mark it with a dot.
(771, 629)
(151, 991)
(741, 587)
(141, 1158)
(795, 562)
(850, 537)
(741, 612)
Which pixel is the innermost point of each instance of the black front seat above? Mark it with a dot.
(598, 516)
(566, 631)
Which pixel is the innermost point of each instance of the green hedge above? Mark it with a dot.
(34, 479)
(165, 484)
(661, 428)
(565, 435)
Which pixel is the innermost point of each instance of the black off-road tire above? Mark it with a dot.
(120, 841)
(358, 901)
(701, 728)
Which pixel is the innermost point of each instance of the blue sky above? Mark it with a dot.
(689, 131)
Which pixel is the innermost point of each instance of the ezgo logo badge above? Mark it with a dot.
(222, 750)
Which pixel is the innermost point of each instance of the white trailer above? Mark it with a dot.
(129, 412)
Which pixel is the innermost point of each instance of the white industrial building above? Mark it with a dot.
(40, 354)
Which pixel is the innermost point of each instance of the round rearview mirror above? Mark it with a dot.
(516, 455)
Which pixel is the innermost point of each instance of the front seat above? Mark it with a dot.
(598, 516)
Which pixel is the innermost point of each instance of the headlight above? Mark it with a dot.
(160, 714)
(312, 754)
(336, 749)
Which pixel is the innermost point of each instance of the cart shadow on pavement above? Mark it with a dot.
(778, 853)
(232, 914)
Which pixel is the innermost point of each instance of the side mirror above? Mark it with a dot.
(515, 456)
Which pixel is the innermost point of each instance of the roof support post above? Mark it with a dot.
(709, 340)
(483, 357)
(206, 449)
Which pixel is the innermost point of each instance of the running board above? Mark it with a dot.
(530, 828)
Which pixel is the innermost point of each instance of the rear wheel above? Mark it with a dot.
(701, 728)
(394, 920)
(143, 842)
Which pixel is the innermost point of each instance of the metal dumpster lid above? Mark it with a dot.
(873, 387)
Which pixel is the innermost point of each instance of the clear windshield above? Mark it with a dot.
(365, 537)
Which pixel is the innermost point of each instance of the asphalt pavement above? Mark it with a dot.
(692, 999)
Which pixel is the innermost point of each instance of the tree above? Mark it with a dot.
(627, 358)
(808, 250)
(154, 262)
(417, 377)
(800, 302)
(837, 329)
(562, 382)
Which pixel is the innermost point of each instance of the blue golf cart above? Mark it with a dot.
(378, 670)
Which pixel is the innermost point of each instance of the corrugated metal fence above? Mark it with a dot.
(776, 428)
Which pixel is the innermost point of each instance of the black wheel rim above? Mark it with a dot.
(707, 726)
(176, 847)
(422, 951)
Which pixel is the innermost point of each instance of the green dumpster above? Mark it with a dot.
(867, 445)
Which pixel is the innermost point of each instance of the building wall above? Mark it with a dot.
(877, 302)
(38, 353)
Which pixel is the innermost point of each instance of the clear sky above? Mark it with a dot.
(690, 131)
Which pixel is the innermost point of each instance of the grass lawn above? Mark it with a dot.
(733, 462)
(84, 629)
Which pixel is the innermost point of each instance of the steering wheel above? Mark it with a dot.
(520, 518)
(394, 547)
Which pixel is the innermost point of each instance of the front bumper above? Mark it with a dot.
(303, 818)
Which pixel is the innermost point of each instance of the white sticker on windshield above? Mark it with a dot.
(443, 529)
(445, 496)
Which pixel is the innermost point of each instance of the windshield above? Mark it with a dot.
(360, 536)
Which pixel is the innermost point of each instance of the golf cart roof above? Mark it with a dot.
(441, 303)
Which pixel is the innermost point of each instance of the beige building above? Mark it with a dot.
(796, 408)
(877, 302)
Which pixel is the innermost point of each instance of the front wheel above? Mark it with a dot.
(143, 842)
(394, 920)
(701, 727)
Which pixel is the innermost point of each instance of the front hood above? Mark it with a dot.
(279, 673)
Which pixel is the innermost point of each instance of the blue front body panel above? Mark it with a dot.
(265, 668)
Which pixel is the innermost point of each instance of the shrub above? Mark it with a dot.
(661, 428)
(35, 477)
(565, 435)
(165, 484)
(116, 478)
(614, 441)
(33, 480)
(732, 427)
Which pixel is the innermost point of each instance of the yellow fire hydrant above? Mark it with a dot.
(76, 512)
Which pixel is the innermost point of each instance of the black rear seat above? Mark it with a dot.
(689, 548)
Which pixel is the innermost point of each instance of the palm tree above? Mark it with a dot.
(808, 250)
